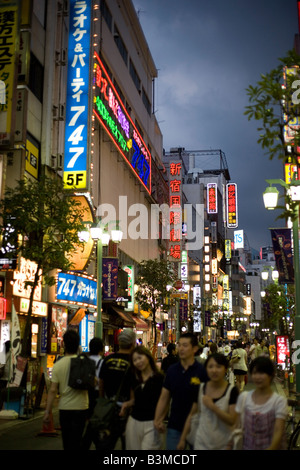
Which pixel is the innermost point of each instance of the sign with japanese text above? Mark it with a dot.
(8, 47)
(113, 116)
(175, 195)
(282, 245)
(77, 104)
(212, 202)
(231, 205)
(110, 278)
(282, 349)
(76, 289)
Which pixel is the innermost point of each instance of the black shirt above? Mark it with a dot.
(112, 373)
(146, 395)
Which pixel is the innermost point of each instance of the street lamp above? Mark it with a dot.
(100, 234)
(270, 198)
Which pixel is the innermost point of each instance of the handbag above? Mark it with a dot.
(237, 435)
(195, 419)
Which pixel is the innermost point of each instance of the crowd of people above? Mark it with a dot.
(193, 399)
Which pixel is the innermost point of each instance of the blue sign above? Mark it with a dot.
(77, 105)
(73, 288)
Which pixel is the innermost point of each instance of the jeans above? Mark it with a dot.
(173, 437)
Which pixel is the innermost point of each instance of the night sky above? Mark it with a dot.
(207, 53)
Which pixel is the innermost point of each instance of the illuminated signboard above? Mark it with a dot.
(111, 113)
(232, 209)
(73, 288)
(212, 205)
(283, 351)
(175, 189)
(77, 103)
(290, 118)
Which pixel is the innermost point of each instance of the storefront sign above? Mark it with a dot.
(282, 245)
(175, 188)
(77, 105)
(112, 114)
(26, 274)
(231, 204)
(38, 308)
(282, 349)
(86, 331)
(76, 289)
(130, 272)
(110, 278)
(212, 202)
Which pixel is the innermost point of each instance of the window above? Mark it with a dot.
(36, 77)
(146, 102)
(134, 76)
(106, 14)
(120, 45)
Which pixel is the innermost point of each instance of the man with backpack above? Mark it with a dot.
(73, 403)
(115, 377)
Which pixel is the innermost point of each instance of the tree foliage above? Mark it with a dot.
(153, 278)
(274, 101)
(44, 221)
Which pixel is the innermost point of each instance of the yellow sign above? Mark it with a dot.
(32, 159)
(75, 179)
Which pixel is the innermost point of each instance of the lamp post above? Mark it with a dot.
(102, 236)
(270, 200)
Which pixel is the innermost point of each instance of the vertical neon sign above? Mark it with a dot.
(232, 210)
(175, 211)
(77, 107)
(212, 203)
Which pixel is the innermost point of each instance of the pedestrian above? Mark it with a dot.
(239, 365)
(96, 352)
(213, 348)
(252, 350)
(146, 387)
(227, 348)
(170, 359)
(116, 368)
(181, 382)
(6, 366)
(201, 357)
(264, 412)
(73, 403)
(262, 349)
(164, 350)
(215, 404)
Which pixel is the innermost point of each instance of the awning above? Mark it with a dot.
(126, 318)
(140, 324)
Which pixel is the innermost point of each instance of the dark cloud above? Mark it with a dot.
(207, 53)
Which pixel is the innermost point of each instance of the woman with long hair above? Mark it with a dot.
(146, 387)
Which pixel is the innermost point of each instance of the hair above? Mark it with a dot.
(192, 337)
(219, 358)
(262, 364)
(71, 341)
(145, 352)
(96, 346)
(239, 344)
(171, 347)
(213, 348)
(127, 339)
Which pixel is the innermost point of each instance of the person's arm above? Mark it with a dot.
(50, 400)
(187, 426)
(277, 434)
(127, 404)
(162, 409)
(227, 417)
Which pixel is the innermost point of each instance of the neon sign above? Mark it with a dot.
(231, 199)
(175, 211)
(111, 113)
(212, 204)
(77, 104)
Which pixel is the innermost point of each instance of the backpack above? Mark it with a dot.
(82, 373)
(105, 418)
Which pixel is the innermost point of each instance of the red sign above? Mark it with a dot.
(282, 348)
(212, 206)
(232, 211)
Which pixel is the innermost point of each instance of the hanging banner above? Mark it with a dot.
(282, 245)
(17, 364)
(110, 278)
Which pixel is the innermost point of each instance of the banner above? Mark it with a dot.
(17, 366)
(282, 245)
(110, 278)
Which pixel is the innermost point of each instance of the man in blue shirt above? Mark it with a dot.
(181, 383)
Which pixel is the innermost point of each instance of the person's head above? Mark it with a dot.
(127, 339)
(171, 348)
(255, 341)
(142, 359)
(96, 346)
(187, 346)
(213, 348)
(262, 371)
(216, 366)
(71, 341)
(239, 344)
